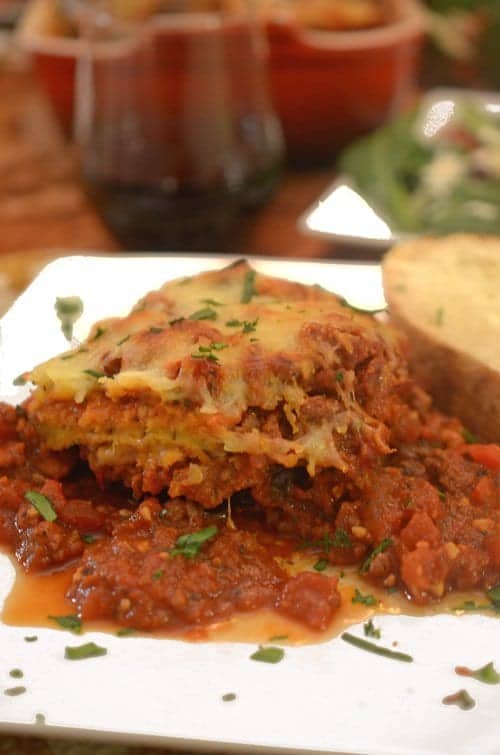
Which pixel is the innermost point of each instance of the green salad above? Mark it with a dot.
(426, 182)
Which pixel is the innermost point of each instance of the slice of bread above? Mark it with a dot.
(444, 293)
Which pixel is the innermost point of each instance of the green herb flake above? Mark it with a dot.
(14, 691)
(176, 320)
(70, 622)
(42, 504)
(20, 379)
(233, 323)
(31, 638)
(125, 631)
(207, 313)
(228, 697)
(88, 539)
(123, 340)
(248, 291)
(461, 698)
(381, 547)
(16, 673)
(371, 630)
(321, 564)
(341, 539)
(339, 377)
(494, 596)
(40, 719)
(154, 329)
(189, 545)
(469, 437)
(99, 332)
(82, 652)
(362, 644)
(471, 605)
(278, 638)
(366, 600)
(439, 316)
(68, 309)
(269, 654)
(94, 373)
(486, 674)
(158, 574)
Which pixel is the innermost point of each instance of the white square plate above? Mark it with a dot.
(344, 215)
(324, 698)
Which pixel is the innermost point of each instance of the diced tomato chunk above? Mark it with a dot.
(311, 598)
(488, 455)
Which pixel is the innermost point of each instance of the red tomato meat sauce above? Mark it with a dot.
(425, 522)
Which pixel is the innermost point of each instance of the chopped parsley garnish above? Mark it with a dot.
(471, 605)
(339, 377)
(82, 652)
(154, 329)
(207, 313)
(42, 504)
(73, 354)
(248, 326)
(99, 332)
(468, 436)
(123, 340)
(461, 698)
(158, 574)
(16, 673)
(269, 654)
(40, 719)
(371, 630)
(94, 373)
(68, 310)
(486, 674)
(321, 564)
(71, 622)
(439, 316)
(494, 596)
(125, 631)
(340, 540)
(189, 545)
(248, 287)
(207, 352)
(20, 379)
(381, 547)
(14, 691)
(31, 638)
(229, 697)
(366, 600)
(377, 649)
(278, 638)
(88, 538)
(176, 320)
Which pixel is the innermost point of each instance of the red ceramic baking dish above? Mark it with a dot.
(328, 86)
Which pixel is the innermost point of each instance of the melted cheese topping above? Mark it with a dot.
(214, 348)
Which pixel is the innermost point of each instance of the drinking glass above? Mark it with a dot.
(173, 120)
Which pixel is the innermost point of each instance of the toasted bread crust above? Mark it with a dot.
(444, 293)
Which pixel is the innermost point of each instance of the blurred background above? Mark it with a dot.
(224, 125)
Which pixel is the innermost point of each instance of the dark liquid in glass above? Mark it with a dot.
(181, 138)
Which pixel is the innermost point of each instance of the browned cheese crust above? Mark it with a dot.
(212, 381)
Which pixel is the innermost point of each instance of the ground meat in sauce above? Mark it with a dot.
(433, 504)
